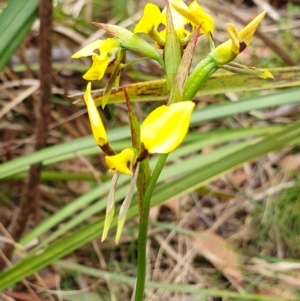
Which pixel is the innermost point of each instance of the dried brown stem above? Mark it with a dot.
(30, 199)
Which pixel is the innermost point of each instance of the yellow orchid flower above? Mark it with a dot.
(153, 23)
(165, 127)
(103, 53)
(239, 40)
(98, 129)
(161, 132)
(122, 162)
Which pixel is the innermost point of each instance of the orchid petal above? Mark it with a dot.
(165, 127)
(122, 162)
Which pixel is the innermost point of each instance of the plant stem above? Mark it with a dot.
(143, 228)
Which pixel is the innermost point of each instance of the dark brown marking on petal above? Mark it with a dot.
(143, 154)
(243, 46)
(188, 27)
(111, 61)
(107, 149)
(161, 27)
(97, 51)
(128, 164)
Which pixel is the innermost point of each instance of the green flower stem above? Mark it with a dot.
(143, 228)
(199, 76)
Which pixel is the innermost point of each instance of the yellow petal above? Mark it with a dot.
(234, 37)
(207, 23)
(98, 68)
(165, 127)
(195, 14)
(98, 129)
(151, 17)
(122, 162)
(88, 50)
(104, 46)
(110, 46)
(103, 54)
(153, 23)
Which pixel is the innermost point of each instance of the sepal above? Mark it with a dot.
(110, 207)
(126, 203)
(98, 129)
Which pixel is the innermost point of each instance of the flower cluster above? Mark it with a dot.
(175, 30)
(153, 22)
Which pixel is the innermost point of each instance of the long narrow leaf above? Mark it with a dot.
(16, 20)
(217, 84)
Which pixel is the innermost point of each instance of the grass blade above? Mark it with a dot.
(16, 20)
